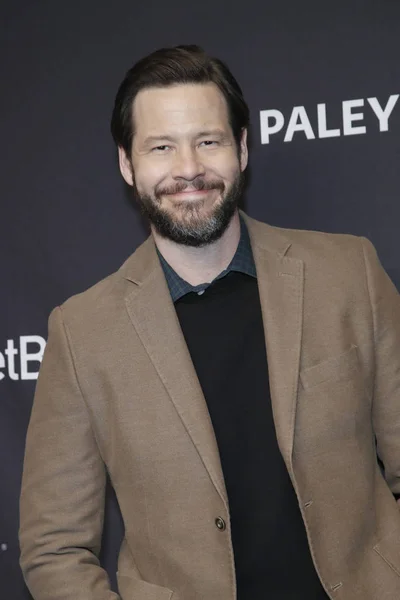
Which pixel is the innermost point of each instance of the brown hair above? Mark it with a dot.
(171, 66)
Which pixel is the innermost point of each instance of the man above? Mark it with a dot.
(236, 381)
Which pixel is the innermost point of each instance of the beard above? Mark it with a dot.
(186, 223)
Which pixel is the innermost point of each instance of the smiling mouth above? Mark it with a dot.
(189, 193)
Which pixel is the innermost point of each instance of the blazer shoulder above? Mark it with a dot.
(98, 303)
(305, 244)
(92, 297)
(311, 241)
(332, 254)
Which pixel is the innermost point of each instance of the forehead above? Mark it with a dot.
(179, 107)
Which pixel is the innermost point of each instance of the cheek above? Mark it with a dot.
(229, 175)
(226, 165)
(149, 175)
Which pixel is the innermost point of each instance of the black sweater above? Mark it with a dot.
(223, 329)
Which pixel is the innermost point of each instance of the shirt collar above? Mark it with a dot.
(242, 261)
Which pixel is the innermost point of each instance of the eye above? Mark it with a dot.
(162, 148)
(208, 143)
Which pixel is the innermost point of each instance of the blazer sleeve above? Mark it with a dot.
(385, 305)
(63, 485)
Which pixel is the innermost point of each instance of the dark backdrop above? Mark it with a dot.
(65, 217)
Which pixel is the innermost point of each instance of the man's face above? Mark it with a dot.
(185, 166)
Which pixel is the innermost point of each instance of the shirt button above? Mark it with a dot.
(220, 523)
(201, 292)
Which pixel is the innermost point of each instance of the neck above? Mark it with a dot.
(201, 265)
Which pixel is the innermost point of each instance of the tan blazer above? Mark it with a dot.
(117, 391)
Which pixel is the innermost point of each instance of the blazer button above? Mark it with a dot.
(220, 523)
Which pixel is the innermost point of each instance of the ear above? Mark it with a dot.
(244, 153)
(125, 166)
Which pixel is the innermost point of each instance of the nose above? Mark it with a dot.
(187, 165)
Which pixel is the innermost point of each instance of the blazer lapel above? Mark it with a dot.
(280, 281)
(154, 317)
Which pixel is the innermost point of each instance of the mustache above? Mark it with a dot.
(195, 185)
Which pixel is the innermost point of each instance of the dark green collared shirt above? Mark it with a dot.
(242, 261)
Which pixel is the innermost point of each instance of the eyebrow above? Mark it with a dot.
(151, 139)
(211, 132)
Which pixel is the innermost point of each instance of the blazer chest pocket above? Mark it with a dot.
(132, 588)
(343, 366)
(389, 549)
(333, 406)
